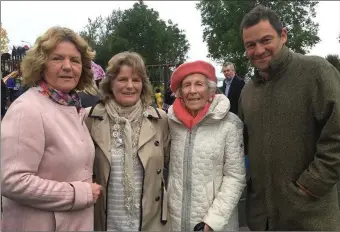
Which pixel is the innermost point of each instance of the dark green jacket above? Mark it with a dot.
(292, 124)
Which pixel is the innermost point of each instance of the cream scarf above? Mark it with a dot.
(127, 123)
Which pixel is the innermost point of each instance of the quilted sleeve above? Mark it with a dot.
(233, 181)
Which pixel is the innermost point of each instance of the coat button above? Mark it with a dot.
(157, 198)
(156, 143)
(159, 171)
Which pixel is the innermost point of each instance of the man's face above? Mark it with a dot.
(228, 72)
(262, 43)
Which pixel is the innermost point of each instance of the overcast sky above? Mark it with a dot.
(26, 20)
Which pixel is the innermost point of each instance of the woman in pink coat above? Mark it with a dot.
(47, 152)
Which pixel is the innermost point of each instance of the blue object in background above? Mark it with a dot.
(246, 162)
(10, 83)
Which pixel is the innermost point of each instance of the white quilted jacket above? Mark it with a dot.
(207, 170)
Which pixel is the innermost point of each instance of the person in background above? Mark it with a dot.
(4, 98)
(132, 145)
(232, 86)
(159, 98)
(169, 98)
(206, 170)
(47, 153)
(291, 113)
(90, 96)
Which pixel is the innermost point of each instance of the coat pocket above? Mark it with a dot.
(210, 192)
(298, 201)
(299, 192)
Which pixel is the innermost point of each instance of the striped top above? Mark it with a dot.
(118, 217)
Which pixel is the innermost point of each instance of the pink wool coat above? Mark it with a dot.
(47, 159)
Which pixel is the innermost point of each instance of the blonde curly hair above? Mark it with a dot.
(36, 58)
(136, 62)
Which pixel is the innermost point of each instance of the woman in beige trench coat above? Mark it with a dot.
(132, 141)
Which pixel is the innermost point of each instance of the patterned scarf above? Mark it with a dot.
(130, 121)
(67, 99)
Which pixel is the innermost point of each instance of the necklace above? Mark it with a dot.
(117, 128)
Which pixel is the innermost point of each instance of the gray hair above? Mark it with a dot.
(229, 64)
(211, 87)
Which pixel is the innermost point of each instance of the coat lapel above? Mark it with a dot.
(147, 130)
(101, 135)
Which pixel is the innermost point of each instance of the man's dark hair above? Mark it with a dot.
(260, 13)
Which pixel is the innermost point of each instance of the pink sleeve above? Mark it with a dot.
(22, 148)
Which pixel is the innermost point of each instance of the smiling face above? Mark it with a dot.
(195, 92)
(127, 87)
(64, 67)
(262, 43)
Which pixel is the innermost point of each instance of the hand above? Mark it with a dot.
(96, 190)
(207, 228)
(305, 191)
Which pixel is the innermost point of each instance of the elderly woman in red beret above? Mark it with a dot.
(206, 169)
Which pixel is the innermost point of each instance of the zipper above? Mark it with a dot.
(188, 187)
(185, 221)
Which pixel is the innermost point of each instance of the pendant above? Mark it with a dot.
(119, 141)
(115, 134)
(115, 127)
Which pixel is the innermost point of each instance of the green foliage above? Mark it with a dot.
(334, 60)
(4, 40)
(137, 29)
(222, 19)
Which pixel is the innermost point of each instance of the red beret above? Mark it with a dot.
(188, 68)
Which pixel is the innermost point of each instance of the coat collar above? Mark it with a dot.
(100, 127)
(218, 109)
(277, 66)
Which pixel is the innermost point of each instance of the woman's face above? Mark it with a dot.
(195, 92)
(127, 87)
(64, 67)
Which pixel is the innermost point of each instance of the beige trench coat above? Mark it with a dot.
(153, 152)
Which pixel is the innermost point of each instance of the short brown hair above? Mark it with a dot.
(136, 62)
(36, 58)
(260, 13)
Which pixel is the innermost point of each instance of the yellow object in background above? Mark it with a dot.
(159, 100)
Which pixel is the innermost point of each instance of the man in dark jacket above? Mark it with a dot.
(87, 99)
(4, 98)
(232, 86)
(291, 115)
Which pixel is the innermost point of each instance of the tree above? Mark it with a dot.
(136, 29)
(334, 60)
(4, 40)
(222, 19)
